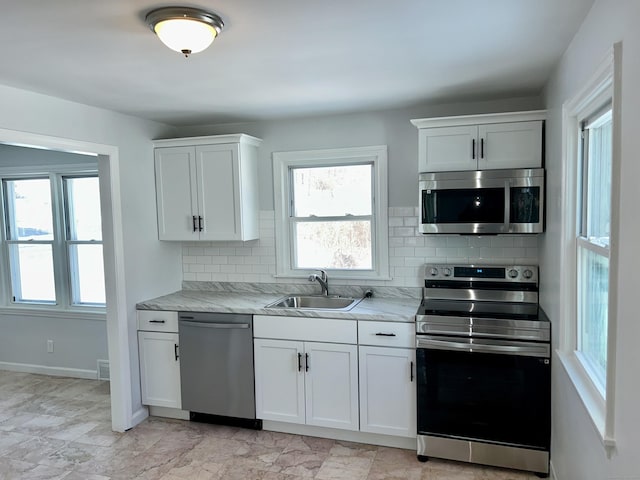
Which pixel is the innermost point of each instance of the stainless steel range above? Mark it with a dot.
(483, 367)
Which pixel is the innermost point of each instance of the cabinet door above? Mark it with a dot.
(279, 380)
(176, 199)
(388, 391)
(510, 145)
(445, 149)
(219, 191)
(331, 385)
(159, 369)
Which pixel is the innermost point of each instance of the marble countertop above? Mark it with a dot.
(388, 309)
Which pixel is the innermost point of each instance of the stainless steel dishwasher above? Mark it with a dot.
(216, 367)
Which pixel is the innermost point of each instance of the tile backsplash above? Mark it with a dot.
(255, 261)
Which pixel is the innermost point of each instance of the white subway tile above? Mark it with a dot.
(404, 232)
(425, 252)
(220, 260)
(395, 222)
(203, 277)
(502, 241)
(189, 259)
(227, 251)
(397, 261)
(237, 260)
(205, 260)
(212, 251)
(403, 252)
(196, 268)
(227, 269)
(396, 241)
(189, 277)
(196, 251)
(457, 241)
(410, 221)
(414, 241)
(212, 268)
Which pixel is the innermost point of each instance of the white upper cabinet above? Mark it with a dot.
(480, 142)
(207, 188)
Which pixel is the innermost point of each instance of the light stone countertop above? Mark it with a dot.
(389, 309)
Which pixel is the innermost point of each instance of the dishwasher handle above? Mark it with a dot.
(215, 325)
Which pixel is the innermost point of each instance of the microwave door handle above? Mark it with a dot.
(507, 206)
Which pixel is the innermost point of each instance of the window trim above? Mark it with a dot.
(283, 161)
(62, 274)
(603, 87)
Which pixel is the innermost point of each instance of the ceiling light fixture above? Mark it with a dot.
(183, 29)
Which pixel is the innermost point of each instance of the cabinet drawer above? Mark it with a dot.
(329, 330)
(157, 321)
(387, 334)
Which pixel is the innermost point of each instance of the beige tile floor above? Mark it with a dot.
(54, 428)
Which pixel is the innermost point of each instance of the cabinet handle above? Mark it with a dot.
(175, 351)
(411, 372)
(195, 227)
(482, 148)
(380, 334)
(306, 362)
(473, 149)
(299, 362)
(156, 321)
(200, 223)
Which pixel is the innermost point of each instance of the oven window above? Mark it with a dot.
(493, 397)
(525, 205)
(472, 205)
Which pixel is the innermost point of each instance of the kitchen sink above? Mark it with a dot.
(316, 302)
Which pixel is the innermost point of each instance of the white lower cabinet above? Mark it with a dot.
(387, 391)
(306, 371)
(159, 369)
(308, 383)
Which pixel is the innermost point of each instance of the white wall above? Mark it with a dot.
(408, 250)
(151, 267)
(390, 127)
(577, 452)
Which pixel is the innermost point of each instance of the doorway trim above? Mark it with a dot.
(114, 271)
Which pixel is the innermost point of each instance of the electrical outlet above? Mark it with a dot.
(49, 346)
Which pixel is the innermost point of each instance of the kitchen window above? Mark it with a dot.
(591, 126)
(593, 245)
(52, 241)
(331, 212)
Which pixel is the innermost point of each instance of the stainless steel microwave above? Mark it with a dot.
(482, 202)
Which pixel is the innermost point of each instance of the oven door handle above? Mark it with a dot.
(473, 345)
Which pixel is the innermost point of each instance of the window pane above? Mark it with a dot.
(336, 245)
(332, 191)
(32, 273)
(598, 208)
(83, 208)
(593, 305)
(29, 209)
(87, 274)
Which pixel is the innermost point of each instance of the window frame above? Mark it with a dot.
(602, 88)
(62, 277)
(283, 162)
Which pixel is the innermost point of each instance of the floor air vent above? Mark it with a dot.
(103, 369)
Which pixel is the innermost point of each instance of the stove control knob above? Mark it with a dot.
(527, 274)
(513, 273)
(433, 272)
(446, 272)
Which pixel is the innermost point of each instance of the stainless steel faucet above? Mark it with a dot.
(321, 277)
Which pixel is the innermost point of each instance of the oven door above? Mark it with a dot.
(484, 390)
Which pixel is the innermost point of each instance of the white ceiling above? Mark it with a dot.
(285, 58)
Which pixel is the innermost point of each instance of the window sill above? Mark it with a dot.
(76, 314)
(591, 398)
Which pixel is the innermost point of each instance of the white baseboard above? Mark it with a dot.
(138, 416)
(45, 370)
(348, 435)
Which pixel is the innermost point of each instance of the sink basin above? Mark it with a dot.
(316, 302)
